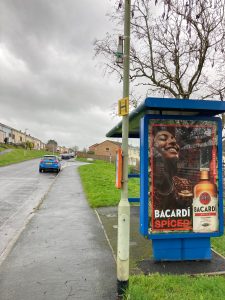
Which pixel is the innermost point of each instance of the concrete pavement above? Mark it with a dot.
(140, 248)
(62, 253)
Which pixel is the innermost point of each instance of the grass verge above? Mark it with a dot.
(219, 245)
(173, 287)
(19, 155)
(98, 179)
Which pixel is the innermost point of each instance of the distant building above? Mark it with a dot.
(2, 136)
(17, 137)
(38, 145)
(133, 156)
(109, 148)
(93, 148)
(6, 133)
(106, 148)
(62, 149)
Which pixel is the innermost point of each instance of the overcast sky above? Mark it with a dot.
(49, 81)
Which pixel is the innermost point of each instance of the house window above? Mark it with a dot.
(13, 136)
(107, 149)
(21, 139)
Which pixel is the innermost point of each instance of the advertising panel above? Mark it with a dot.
(183, 168)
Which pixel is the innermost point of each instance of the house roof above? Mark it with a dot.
(117, 143)
(113, 142)
(96, 144)
(167, 106)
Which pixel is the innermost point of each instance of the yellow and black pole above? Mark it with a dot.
(123, 240)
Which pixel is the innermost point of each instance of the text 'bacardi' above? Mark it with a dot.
(205, 205)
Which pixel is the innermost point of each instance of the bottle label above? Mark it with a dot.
(205, 213)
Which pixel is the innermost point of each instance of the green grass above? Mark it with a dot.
(219, 245)
(98, 179)
(171, 287)
(82, 159)
(19, 155)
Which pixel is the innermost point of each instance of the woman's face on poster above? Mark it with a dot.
(166, 144)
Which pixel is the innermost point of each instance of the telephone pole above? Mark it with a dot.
(123, 242)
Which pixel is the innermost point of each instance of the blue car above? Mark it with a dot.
(50, 163)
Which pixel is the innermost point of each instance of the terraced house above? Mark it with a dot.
(5, 133)
(17, 137)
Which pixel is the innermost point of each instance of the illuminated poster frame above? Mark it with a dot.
(200, 152)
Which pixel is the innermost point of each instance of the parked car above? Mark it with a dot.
(50, 163)
(67, 155)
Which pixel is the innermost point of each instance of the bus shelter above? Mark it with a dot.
(181, 176)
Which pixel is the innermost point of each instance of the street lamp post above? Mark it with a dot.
(124, 205)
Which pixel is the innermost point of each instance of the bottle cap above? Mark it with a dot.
(204, 173)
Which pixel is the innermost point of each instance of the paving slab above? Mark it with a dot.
(62, 253)
(213, 267)
(140, 248)
(141, 261)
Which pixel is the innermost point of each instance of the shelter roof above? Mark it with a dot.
(168, 106)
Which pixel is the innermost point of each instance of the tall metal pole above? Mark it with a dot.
(124, 205)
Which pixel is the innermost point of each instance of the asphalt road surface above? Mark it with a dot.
(22, 190)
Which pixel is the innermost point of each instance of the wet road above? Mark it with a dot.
(22, 190)
(19, 183)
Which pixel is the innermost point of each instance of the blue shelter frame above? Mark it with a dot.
(173, 245)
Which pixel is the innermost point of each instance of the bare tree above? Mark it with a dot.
(179, 53)
(75, 148)
(51, 145)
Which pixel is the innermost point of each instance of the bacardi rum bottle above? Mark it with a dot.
(205, 205)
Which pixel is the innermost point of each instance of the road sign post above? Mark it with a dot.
(124, 205)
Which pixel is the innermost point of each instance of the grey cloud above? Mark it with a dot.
(29, 27)
(49, 82)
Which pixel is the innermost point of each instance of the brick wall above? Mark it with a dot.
(107, 148)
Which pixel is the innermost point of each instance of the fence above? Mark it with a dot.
(94, 156)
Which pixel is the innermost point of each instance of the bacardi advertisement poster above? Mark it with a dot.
(183, 171)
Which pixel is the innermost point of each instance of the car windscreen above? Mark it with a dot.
(49, 158)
